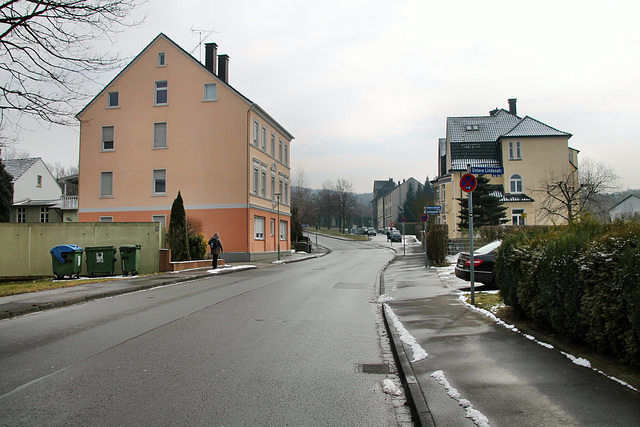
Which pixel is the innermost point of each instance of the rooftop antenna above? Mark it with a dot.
(199, 46)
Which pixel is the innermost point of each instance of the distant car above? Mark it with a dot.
(371, 231)
(396, 236)
(483, 264)
(364, 230)
(380, 230)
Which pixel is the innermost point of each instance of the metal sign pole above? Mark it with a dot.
(404, 240)
(471, 260)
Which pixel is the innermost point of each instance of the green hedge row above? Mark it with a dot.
(581, 282)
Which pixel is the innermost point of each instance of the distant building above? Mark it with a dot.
(628, 208)
(527, 149)
(36, 194)
(388, 199)
(168, 123)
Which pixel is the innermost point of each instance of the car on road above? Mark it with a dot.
(483, 264)
(396, 236)
(371, 231)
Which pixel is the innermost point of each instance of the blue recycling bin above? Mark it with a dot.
(66, 261)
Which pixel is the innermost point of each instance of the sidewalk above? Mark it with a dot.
(462, 368)
(21, 304)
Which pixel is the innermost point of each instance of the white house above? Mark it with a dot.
(627, 208)
(36, 193)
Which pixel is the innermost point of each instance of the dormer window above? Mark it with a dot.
(472, 127)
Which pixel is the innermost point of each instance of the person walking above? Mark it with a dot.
(216, 249)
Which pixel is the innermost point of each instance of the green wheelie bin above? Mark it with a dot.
(66, 261)
(130, 259)
(100, 260)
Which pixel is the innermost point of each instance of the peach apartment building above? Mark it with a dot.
(527, 149)
(168, 123)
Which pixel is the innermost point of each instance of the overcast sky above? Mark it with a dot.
(366, 86)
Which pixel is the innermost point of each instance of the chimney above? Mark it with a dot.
(512, 106)
(210, 55)
(223, 68)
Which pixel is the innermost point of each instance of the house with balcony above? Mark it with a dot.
(526, 149)
(36, 194)
(169, 123)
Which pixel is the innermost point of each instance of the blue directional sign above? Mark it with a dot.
(433, 208)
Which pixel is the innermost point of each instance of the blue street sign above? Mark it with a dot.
(433, 208)
(487, 170)
(433, 212)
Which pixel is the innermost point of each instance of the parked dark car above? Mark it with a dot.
(396, 236)
(484, 264)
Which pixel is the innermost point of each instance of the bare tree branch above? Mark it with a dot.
(45, 59)
(570, 194)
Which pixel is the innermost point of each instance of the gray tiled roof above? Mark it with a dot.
(17, 167)
(509, 197)
(490, 128)
(532, 127)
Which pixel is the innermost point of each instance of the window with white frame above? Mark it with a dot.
(44, 214)
(159, 182)
(286, 154)
(263, 139)
(108, 138)
(162, 59)
(273, 145)
(273, 185)
(160, 135)
(113, 99)
(162, 92)
(264, 181)
(517, 216)
(256, 132)
(162, 219)
(106, 219)
(516, 183)
(258, 227)
(22, 215)
(280, 150)
(514, 150)
(256, 177)
(210, 92)
(39, 181)
(106, 184)
(283, 230)
(286, 190)
(280, 185)
(273, 227)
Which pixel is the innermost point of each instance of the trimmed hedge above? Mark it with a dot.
(580, 282)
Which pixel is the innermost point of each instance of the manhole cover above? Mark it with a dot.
(373, 368)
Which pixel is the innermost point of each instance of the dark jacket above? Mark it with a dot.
(216, 244)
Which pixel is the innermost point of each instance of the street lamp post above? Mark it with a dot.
(278, 226)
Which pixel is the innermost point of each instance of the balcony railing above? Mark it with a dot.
(70, 202)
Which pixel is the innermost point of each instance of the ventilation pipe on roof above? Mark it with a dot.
(512, 106)
(210, 56)
(223, 68)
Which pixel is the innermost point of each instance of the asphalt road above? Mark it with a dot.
(274, 346)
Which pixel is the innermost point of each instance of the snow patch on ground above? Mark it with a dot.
(476, 416)
(389, 387)
(580, 361)
(223, 268)
(418, 352)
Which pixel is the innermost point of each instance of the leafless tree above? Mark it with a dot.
(327, 203)
(346, 202)
(301, 197)
(570, 194)
(45, 55)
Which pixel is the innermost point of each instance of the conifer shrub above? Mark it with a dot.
(197, 246)
(177, 234)
(437, 243)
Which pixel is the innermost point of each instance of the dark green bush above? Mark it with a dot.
(197, 246)
(437, 243)
(610, 276)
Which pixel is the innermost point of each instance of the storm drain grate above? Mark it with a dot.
(372, 368)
